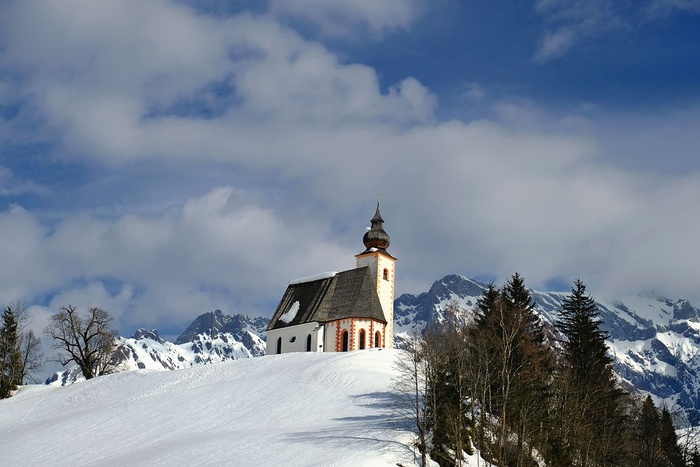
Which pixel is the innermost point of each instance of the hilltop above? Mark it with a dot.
(307, 409)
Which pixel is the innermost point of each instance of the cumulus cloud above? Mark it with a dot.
(111, 88)
(212, 251)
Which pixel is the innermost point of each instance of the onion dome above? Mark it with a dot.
(376, 237)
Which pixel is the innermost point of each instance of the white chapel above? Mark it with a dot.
(340, 311)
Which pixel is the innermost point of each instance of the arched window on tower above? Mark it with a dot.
(279, 345)
(376, 339)
(386, 274)
(362, 339)
(308, 343)
(345, 341)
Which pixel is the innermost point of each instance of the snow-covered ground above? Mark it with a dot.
(303, 409)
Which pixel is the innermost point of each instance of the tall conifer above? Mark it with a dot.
(592, 405)
(584, 348)
(511, 340)
(669, 440)
(10, 356)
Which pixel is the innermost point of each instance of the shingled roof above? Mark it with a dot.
(347, 294)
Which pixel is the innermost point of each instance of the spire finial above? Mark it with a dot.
(376, 237)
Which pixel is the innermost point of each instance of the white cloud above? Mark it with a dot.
(105, 88)
(660, 8)
(211, 252)
(474, 92)
(341, 18)
(11, 186)
(556, 43)
(573, 23)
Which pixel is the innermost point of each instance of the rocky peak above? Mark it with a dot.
(143, 333)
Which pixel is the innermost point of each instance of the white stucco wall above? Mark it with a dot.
(294, 338)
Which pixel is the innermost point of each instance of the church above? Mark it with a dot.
(340, 311)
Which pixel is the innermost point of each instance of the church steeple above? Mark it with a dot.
(382, 267)
(376, 237)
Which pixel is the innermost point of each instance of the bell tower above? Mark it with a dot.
(382, 267)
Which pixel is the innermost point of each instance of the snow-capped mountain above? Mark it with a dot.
(654, 341)
(211, 338)
(244, 329)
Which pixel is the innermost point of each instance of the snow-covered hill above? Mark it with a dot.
(303, 409)
(654, 341)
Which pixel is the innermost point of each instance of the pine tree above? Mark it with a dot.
(485, 305)
(591, 406)
(10, 356)
(669, 440)
(517, 294)
(511, 340)
(584, 348)
(647, 445)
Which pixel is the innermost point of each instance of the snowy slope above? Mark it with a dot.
(303, 409)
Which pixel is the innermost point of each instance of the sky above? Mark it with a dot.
(163, 159)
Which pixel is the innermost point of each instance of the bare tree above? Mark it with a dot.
(410, 385)
(32, 356)
(87, 341)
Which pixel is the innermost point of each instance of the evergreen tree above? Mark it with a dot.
(518, 296)
(485, 305)
(10, 356)
(584, 348)
(511, 342)
(669, 440)
(647, 445)
(591, 406)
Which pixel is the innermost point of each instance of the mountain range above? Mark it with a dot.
(654, 341)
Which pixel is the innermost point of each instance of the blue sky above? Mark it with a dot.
(162, 159)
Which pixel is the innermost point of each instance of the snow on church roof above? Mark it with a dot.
(316, 277)
(290, 314)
